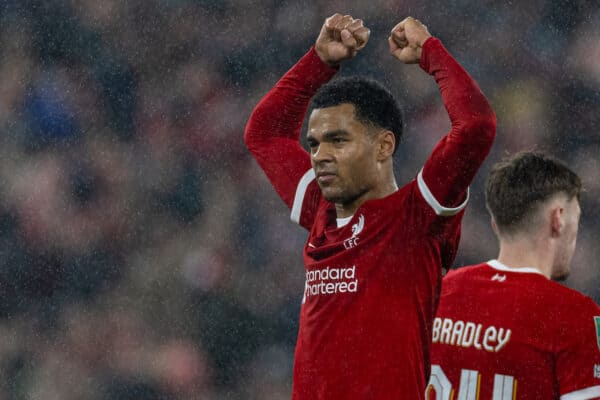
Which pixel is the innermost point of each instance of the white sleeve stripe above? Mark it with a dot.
(433, 203)
(308, 177)
(583, 394)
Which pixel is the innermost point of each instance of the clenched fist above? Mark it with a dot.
(406, 40)
(341, 38)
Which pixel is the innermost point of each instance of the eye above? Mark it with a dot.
(338, 140)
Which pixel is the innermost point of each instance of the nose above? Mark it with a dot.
(321, 153)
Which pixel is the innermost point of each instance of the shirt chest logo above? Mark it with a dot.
(357, 228)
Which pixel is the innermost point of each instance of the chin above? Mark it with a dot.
(333, 198)
(332, 195)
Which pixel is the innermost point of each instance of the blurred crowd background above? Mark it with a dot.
(143, 254)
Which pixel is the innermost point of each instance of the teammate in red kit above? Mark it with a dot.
(374, 254)
(504, 330)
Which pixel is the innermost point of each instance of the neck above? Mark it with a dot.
(526, 252)
(344, 210)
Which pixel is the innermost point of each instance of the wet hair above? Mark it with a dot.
(519, 185)
(373, 103)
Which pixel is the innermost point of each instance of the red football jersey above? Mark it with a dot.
(369, 298)
(503, 333)
(371, 285)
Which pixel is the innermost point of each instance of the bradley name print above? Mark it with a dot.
(470, 334)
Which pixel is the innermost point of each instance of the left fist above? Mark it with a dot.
(406, 40)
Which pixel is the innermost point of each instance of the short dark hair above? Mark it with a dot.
(373, 103)
(518, 185)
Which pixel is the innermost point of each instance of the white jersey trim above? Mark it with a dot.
(583, 394)
(343, 221)
(433, 203)
(501, 267)
(306, 179)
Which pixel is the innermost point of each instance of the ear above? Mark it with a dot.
(494, 226)
(386, 144)
(557, 222)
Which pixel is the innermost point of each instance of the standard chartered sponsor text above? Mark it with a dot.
(331, 281)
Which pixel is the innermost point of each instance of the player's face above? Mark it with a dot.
(343, 153)
(571, 214)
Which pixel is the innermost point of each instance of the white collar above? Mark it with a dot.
(343, 221)
(499, 266)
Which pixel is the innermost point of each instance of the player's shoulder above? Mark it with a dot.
(402, 194)
(574, 315)
(466, 272)
(577, 299)
(411, 199)
(463, 278)
(565, 306)
(396, 202)
(564, 295)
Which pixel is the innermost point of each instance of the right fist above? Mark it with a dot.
(341, 38)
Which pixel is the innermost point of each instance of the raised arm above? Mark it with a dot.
(456, 158)
(273, 130)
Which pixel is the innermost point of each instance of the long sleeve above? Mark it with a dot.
(455, 160)
(273, 131)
